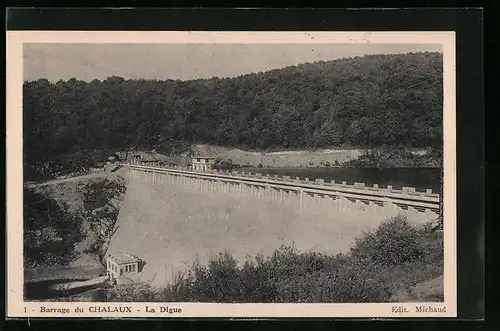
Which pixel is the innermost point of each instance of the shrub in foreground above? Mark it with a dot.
(392, 243)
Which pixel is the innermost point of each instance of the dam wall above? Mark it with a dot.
(308, 195)
(172, 217)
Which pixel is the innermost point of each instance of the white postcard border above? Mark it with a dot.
(16, 307)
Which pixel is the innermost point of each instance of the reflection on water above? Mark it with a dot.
(420, 178)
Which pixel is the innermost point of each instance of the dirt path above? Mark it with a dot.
(64, 180)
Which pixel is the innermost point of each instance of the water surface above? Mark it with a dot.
(420, 178)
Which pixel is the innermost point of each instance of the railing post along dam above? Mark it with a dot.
(304, 193)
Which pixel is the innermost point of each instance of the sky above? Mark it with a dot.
(185, 61)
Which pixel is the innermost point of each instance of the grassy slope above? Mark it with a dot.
(295, 158)
(300, 158)
(289, 158)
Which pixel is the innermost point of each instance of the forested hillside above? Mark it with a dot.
(359, 102)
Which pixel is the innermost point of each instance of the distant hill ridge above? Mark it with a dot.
(358, 102)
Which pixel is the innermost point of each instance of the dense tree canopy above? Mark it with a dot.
(365, 101)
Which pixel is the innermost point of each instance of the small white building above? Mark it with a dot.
(202, 163)
(122, 265)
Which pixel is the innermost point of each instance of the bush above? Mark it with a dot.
(128, 293)
(394, 242)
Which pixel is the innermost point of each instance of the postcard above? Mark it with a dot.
(231, 174)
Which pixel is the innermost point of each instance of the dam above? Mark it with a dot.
(172, 217)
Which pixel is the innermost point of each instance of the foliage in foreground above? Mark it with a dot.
(394, 258)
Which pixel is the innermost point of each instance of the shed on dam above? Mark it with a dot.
(202, 163)
(120, 265)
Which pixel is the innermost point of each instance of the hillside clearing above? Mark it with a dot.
(291, 158)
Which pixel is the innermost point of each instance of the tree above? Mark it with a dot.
(50, 232)
(362, 102)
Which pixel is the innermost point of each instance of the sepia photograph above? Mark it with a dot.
(224, 168)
